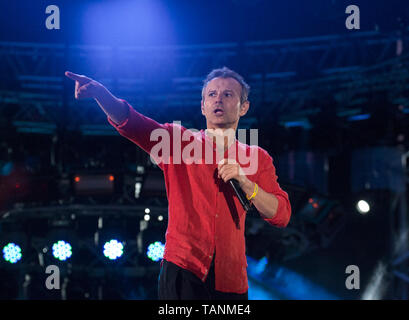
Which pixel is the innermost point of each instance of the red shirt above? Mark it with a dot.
(205, 216)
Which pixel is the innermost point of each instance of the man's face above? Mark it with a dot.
(221, 103)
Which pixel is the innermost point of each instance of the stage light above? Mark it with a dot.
(313, 210)
(62, 250)
(359, 117)
(94, 184)
(363, 207)
(147, 210)
(138, 187)
(160, 218)
(113, 249)
(378, 283)
(285, 283)
(147, 217)
(12, 252)
(261, 265)
(155, 251)
(304, 123)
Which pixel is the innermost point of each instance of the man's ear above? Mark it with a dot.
(202, 107)
(244, 108)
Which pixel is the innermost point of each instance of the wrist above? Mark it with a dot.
(250, 195)
(100, 92)
(246, 185)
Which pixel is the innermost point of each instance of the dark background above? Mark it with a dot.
(303, 66)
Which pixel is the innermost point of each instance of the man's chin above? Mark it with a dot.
(222, 125)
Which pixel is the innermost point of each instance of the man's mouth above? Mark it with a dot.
(218, 111)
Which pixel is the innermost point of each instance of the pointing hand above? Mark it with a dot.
(84, 87)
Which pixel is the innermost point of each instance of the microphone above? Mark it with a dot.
(240, 194)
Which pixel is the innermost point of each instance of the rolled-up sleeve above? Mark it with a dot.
(267, 180)
(138, 129)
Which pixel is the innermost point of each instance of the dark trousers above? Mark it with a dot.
(176, 283)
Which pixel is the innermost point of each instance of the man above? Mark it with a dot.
(204, 254)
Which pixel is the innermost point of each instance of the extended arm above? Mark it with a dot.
(126, 120)
(88, 88)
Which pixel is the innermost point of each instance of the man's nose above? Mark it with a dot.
(219, 97)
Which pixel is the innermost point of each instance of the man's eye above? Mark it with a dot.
(227, 94)
(211, 94)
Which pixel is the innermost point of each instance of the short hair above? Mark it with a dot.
(227, 73)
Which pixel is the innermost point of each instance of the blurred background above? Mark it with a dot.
(331, 106)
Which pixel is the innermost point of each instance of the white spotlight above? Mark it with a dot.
(160, 218)
(378, 283)
(147, 217)
(147, 210)
(138, 187)
(363, 207)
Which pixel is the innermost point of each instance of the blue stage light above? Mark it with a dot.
(12, 253)
(113, 249)
(62, 250)
(155, 251)
(359, 117)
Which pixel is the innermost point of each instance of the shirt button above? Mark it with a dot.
(210, 257)
(217, 215)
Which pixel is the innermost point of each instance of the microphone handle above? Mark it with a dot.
(240, 194)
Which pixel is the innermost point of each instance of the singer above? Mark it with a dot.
(204, 254)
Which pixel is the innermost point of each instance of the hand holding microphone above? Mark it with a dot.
(230, 171)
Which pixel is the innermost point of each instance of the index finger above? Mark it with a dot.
(73, 76)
